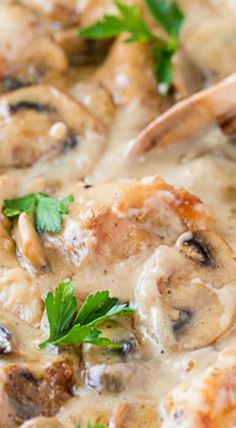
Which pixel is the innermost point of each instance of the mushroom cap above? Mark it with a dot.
(187, 294)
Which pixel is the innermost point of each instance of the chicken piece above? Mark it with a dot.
(186, 295)
(41, 122)
(208, 401)
(25, 395)
(190, 118)
(115, 222)
(24, 43)
(19, 295)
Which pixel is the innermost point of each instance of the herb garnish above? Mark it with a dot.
(48, 211)
(168, 15)
(70, 326)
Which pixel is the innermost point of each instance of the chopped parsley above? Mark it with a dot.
(48, 211)
(70, 326)
(168, 15)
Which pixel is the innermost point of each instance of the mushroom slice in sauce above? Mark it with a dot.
(187, 293)
(29, 246)
(190, 118)
(208, 400)
(24, 43)
(27, 395)
(5, 340)
(112, 371)
(40, 122)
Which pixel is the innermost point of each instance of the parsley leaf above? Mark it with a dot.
(48, 211)
(109, 26)
(130, 20)
(14, 207)
(163, 68)
(169, 15)
(60, 310)
(67, 328)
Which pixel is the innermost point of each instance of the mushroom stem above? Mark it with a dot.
(190, 118)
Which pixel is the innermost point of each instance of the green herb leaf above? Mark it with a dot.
(169, 15)
(99, 307)
(14, 207)
(163, 69)
(109, 26)
(69, 329)
(60, 309)
(48, 211)
(130, 21)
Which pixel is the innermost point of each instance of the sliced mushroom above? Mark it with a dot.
(111, 371)
(29, 246)
(20, 339)
(41, 122)
(190, 118)
(5, 340)
(27, 395)
(187, 293)
(188, 77)
(24, 43)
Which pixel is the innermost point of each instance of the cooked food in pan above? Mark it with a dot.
(117, 214)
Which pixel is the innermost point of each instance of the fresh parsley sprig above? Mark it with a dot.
(48, 211)
(70, 326)
(167, 14)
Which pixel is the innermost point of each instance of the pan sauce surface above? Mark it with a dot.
(114, 101)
